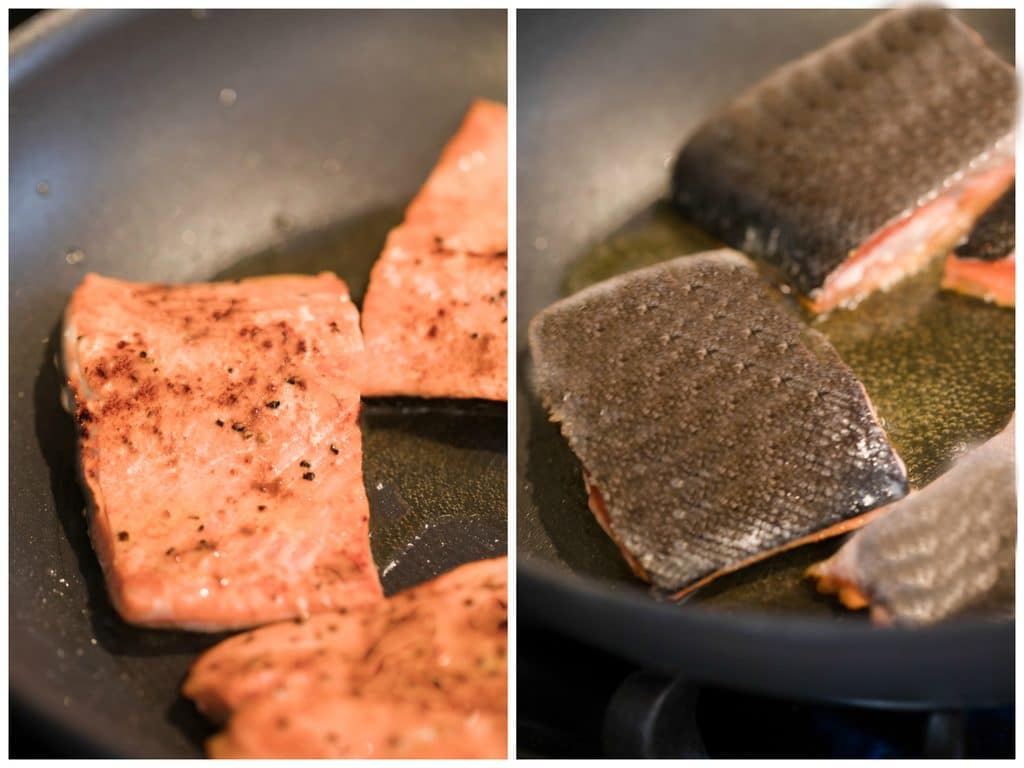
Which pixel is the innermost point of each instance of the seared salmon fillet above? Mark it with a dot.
(941, 551)
(714, 427)
(422, 674)
(435, 316)
(985, 266)
(852, 167)
(220, 449)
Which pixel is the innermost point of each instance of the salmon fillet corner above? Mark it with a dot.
(421, 674)
(219, 446)
(985, 266)
(435, 316)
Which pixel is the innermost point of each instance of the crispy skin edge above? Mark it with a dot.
(837, 529)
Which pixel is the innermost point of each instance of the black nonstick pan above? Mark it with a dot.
(181, 146)
(605, 101)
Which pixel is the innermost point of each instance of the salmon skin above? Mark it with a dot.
(852, 167)
(939, 552)
(220, 448)
(713, 426)
(985, 266)
(422, 674)
(435, 317)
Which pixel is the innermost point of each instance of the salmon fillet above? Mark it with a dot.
(941, 551)
(220, 449)
(856, 165)
(985, 266)
(435, 316)
(422, 674)
(714, 428)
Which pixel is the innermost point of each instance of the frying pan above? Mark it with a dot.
(179, 146)
(604, 103)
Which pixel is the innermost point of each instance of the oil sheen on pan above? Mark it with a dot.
(941, 551)
(714, 428)
(435, 317)
(854, 166)
(220, 448)
(422, 674)
(985, 266)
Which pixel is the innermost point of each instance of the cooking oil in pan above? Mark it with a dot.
(653, 235)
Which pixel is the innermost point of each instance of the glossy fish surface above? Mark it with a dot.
(854, 166)
(713, 426)
(220, 448)
(941, 551)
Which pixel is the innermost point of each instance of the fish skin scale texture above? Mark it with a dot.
(715, 425)
(803, 168)
(220, 447)
(941, 551)
(422, 674)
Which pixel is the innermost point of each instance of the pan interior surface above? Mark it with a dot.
(182, 146)
(938, 367)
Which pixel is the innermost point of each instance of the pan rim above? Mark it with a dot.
(40, 26)
(560, 599)
(538, 569)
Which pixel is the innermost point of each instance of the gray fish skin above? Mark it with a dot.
(715, 425)
(807, 165)
(994, 236)
(939, 552)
